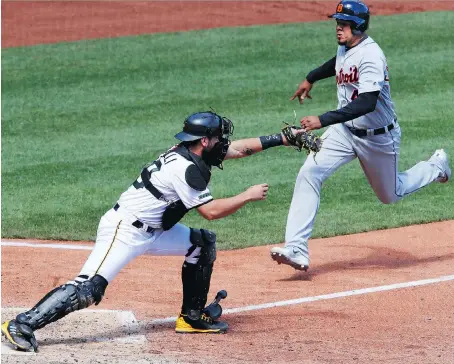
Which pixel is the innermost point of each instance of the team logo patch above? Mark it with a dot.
(339, 8)
(203, 195)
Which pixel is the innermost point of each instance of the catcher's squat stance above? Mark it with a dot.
(364, 126)
(145, 221)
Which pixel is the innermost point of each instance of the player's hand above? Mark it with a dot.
(302, 92)
(309, 123)
(257, 192)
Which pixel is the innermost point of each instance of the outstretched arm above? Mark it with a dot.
(328, 69)
(217, 209)
(245, 147)
(362, 105)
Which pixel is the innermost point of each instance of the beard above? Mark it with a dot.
(341, 42)
(216, 155)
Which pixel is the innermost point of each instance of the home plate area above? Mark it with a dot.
(87, 336)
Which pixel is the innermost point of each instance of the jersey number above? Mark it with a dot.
(156, 167)
(140, 184)
(354, 94)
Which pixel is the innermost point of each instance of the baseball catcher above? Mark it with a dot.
(146, 220)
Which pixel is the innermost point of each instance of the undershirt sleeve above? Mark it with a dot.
(362, 105)
(327, 69)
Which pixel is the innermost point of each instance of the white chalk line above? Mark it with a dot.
(297, 301)
(264, 306)
(44, 245)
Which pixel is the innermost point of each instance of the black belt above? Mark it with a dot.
(370, 132)
(138, 224)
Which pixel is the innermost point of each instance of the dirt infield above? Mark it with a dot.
(396, 325)
(378, 297)
(36, 22)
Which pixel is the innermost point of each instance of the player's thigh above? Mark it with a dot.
(379, 159)
(175, 241)
(117, 243)
(337, 149)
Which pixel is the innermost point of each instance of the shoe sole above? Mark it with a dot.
(198, 331)
(8, 336)
(282, 259)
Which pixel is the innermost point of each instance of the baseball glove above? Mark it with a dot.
(305, 140)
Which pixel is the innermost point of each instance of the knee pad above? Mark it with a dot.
(94, 287)
(206, 240)
(59, 302)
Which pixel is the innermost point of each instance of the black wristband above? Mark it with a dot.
(273, 140)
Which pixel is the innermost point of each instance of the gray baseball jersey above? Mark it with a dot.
(360, 69)
(364, 69)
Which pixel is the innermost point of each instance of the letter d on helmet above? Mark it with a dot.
(355, 12)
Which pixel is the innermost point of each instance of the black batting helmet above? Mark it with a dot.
(205, 124)
(355, 12)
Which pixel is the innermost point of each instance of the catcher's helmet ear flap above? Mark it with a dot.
(355, 12)
(205, 124)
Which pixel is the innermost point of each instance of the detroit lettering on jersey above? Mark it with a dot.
(343, 77)
(362, 69)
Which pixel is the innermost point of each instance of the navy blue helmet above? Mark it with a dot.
(205, 124)
(355, 12)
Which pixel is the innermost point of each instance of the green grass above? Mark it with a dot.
(80, 119)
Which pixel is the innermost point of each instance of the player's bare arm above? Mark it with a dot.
(222, 207)
(245, 147)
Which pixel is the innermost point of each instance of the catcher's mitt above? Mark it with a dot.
(304, 140)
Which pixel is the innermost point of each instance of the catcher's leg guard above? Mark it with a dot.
(196, 284)
(196, 277)
(59, 302)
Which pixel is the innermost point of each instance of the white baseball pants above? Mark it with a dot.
(118, 242)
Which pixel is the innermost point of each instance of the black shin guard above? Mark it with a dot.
(196, 284)
(196, 276)
(63, 300)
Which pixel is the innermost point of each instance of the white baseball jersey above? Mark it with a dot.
(170, 180)
(361, 69)
(118, 241)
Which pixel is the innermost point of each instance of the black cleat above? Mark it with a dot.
(19, 335)
(204, 324)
